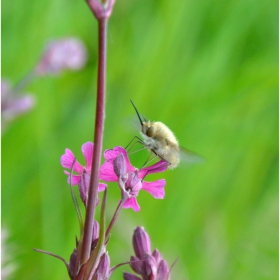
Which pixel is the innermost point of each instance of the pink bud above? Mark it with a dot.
(120, 166)
(163, 271)
(141, 243)
(129, 276)
(104, 266)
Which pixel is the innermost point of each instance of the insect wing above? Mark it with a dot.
(190, 157)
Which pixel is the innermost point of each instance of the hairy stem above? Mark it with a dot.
(98, 140)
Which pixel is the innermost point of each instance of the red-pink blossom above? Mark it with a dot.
(117, 168)
(82, 179)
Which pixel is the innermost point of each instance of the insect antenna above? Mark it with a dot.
(137, 113)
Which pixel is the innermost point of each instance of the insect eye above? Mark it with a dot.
(144, 129)
(150, 131)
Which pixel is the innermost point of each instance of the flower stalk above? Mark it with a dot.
(98, 139)
(120, 205)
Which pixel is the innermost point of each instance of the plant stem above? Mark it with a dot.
(114, 218)
(98, 140)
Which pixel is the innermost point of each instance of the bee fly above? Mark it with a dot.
(159, 139)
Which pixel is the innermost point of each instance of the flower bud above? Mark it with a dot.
(136, 265)
(149, 268)
(103, 270)
(84, 187)
(157, 256)
(163, 271)
(141, 243)
(72, 263)
(120, 166)
(129, 276)
(95, 232)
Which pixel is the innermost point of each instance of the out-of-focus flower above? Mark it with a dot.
(62, 54)
(83, 177)
(148, 265)
(8, 266)
(13, 104)
(117, 168)
(101, 10)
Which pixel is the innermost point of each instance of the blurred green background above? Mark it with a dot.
(209, 71)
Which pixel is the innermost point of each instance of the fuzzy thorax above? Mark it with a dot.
(160, 139)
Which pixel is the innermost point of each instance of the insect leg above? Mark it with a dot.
(149, 160)
(131, 144)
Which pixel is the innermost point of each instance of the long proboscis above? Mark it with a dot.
(137, 112)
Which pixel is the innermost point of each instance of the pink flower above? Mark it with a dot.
(117, 168)
(13, 104)
(83, 177)
(62, 54)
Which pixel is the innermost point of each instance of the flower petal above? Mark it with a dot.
(132, 203)
(160, 166)
(75, 178)
(107, 172)
(66, 160)
(87, 150)
(156, 188)
(101, 187)
(110, 155)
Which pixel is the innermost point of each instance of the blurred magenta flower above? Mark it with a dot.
(62, 54)
(117, 168)
(13, 104)
(83, 177)
(148, 265)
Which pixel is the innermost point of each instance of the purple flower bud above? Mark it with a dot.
(68, 53)
(136, 265)
(129, 276)
(163, 271)
(95, 233)
(149, 266)
(141, 243)
(103, 269)
(157, 256)
(120, 166)
(72, 263)
(84, 187)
